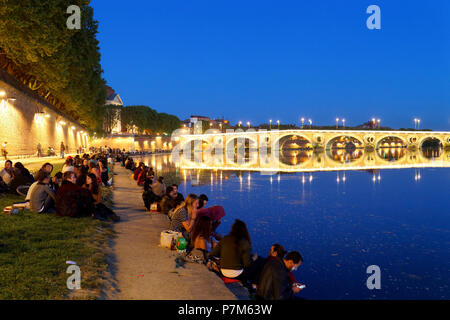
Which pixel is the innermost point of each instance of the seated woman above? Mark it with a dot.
(202, 241)
(234, 252)
(184, 215)
(101, 211)
(104, 172)
(42, 198)
(148, 196)
(142, 176)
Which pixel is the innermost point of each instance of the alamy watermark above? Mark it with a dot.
(74, 20)
(374, 280)
(74, 280)
(374, 20)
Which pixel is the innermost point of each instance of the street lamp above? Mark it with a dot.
(278, 122)
(248, 124)
(418, 124)
(378, 123)
(303, 120)
(337, 122)
(343, 123)
(239, 124)
(270, 124)
(310, 123)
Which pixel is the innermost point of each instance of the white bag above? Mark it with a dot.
(167, 236)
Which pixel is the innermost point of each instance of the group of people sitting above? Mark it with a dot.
(73, 192)
(269, 278)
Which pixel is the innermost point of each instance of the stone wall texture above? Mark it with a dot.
(23, 125)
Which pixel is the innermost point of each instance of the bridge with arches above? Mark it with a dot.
(326, 139)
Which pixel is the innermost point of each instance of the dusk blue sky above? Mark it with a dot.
(259, 60)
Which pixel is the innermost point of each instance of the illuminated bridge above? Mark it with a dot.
(312, 150)
(309, 139)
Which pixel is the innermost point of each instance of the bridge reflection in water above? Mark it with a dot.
(306, 160)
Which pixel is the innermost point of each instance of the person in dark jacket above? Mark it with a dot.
(148, 196)
(275, 281)
(25, 172)
(73, 200)
(254, 272)
(18, 180)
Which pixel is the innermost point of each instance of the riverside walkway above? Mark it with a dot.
(142, 270)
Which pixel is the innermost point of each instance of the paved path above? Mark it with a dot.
(143, 270)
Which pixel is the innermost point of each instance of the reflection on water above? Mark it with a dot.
(391, 154)
(342, 220)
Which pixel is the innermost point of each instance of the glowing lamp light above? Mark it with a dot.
(62, 122)
(2, 94)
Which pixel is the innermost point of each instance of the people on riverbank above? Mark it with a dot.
(6, 173)
(184, 215)
(233, 253)
(171, 200)
(275, 280)
(202, 201)
(73, 200)
(68, 165)
(101, 211)
(159, 188)
(42, 198)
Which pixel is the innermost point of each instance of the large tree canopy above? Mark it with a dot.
(148, 120)
(61, 65)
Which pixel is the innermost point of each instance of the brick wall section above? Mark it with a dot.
(23, 132)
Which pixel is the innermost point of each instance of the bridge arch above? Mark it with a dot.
(343, 135)
(386, 136)
(276, 141)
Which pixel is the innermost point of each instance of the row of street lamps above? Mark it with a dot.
(376, 123)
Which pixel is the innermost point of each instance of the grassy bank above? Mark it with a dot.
(34, 249)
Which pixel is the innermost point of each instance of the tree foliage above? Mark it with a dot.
(61, 65)
(147, 120)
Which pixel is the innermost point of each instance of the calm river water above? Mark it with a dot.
(341, 221)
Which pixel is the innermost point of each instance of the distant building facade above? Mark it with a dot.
(113, 98)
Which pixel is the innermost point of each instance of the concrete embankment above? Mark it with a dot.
(140, 268)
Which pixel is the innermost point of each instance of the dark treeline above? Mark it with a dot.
(143, 119)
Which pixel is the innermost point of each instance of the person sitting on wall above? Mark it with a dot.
(180, 197)
(6, 172)
(203, 200)
(148, 196)
(254, 272)
(142, 176)
(42, 198)
(73, 200)
(234, 253)
(201, 240)
(275, 281)
(184, 215)
(138, 170)
(170, 200)
(159, 188)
